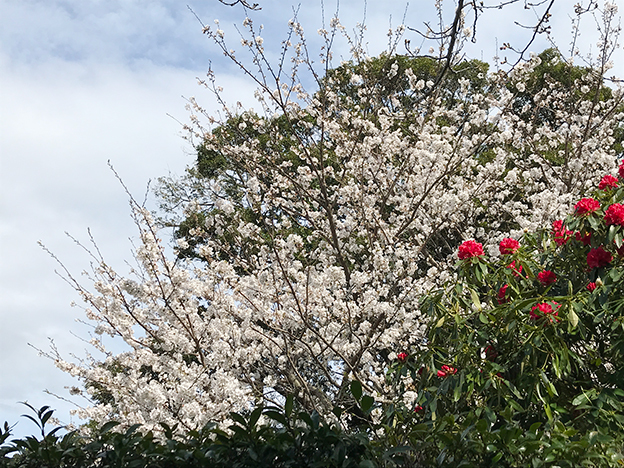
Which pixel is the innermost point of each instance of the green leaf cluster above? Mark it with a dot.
(264, 437)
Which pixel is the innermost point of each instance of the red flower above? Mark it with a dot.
(621, 170)
(508, 246)
(516, 271)
(591, 287)
(502, 292)
(584, 238)
(490, 353)
(586, 206)
(402, 357)
(446, 371)
(470, 249)
(620, 251)
(598, 257)
(608, 181)
(560, 233)
(543, 310)
(546, 277)
(418, 409)
(615, 214)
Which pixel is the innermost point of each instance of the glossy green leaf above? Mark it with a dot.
(367, 403)
(288, 406)
(356, 389)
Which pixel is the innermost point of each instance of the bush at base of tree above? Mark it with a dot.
(267, 437)
(524, 358)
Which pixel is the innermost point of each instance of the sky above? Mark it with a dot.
(88, 82)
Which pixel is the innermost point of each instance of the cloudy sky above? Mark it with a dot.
(83, 82)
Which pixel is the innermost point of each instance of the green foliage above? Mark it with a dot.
(519, 370)
(385, 82)
(271, 437)
(573, 84)
(218, 166)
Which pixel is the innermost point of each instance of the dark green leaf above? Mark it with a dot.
(253, 418)
(288, 406)
(276, 416)
(356, 389)
(239, 419)
(367, 403)
(106, 427)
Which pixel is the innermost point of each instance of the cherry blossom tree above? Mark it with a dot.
(310, 231)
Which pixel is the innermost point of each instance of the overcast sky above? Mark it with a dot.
(83, 82)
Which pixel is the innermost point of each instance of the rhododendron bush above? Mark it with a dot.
(310, 230)
(537, 359)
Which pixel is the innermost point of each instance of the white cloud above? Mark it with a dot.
(123, 30)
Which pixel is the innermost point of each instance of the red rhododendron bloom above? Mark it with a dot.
(508, 246)
(542, 310)
(446, 371)
(402, 357)
(615, 214)
(591, 286)
(502, 292)
(586, 206)
(560, 233)
(546, 277)
(620, 251)
(584, 238)
(608, 181)
(516, 271)
(418, 409)
(598, 257)
(621, 170)
(490, 353)
(470, 249)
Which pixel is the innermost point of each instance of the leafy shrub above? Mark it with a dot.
(284, 439)
(523, 363)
